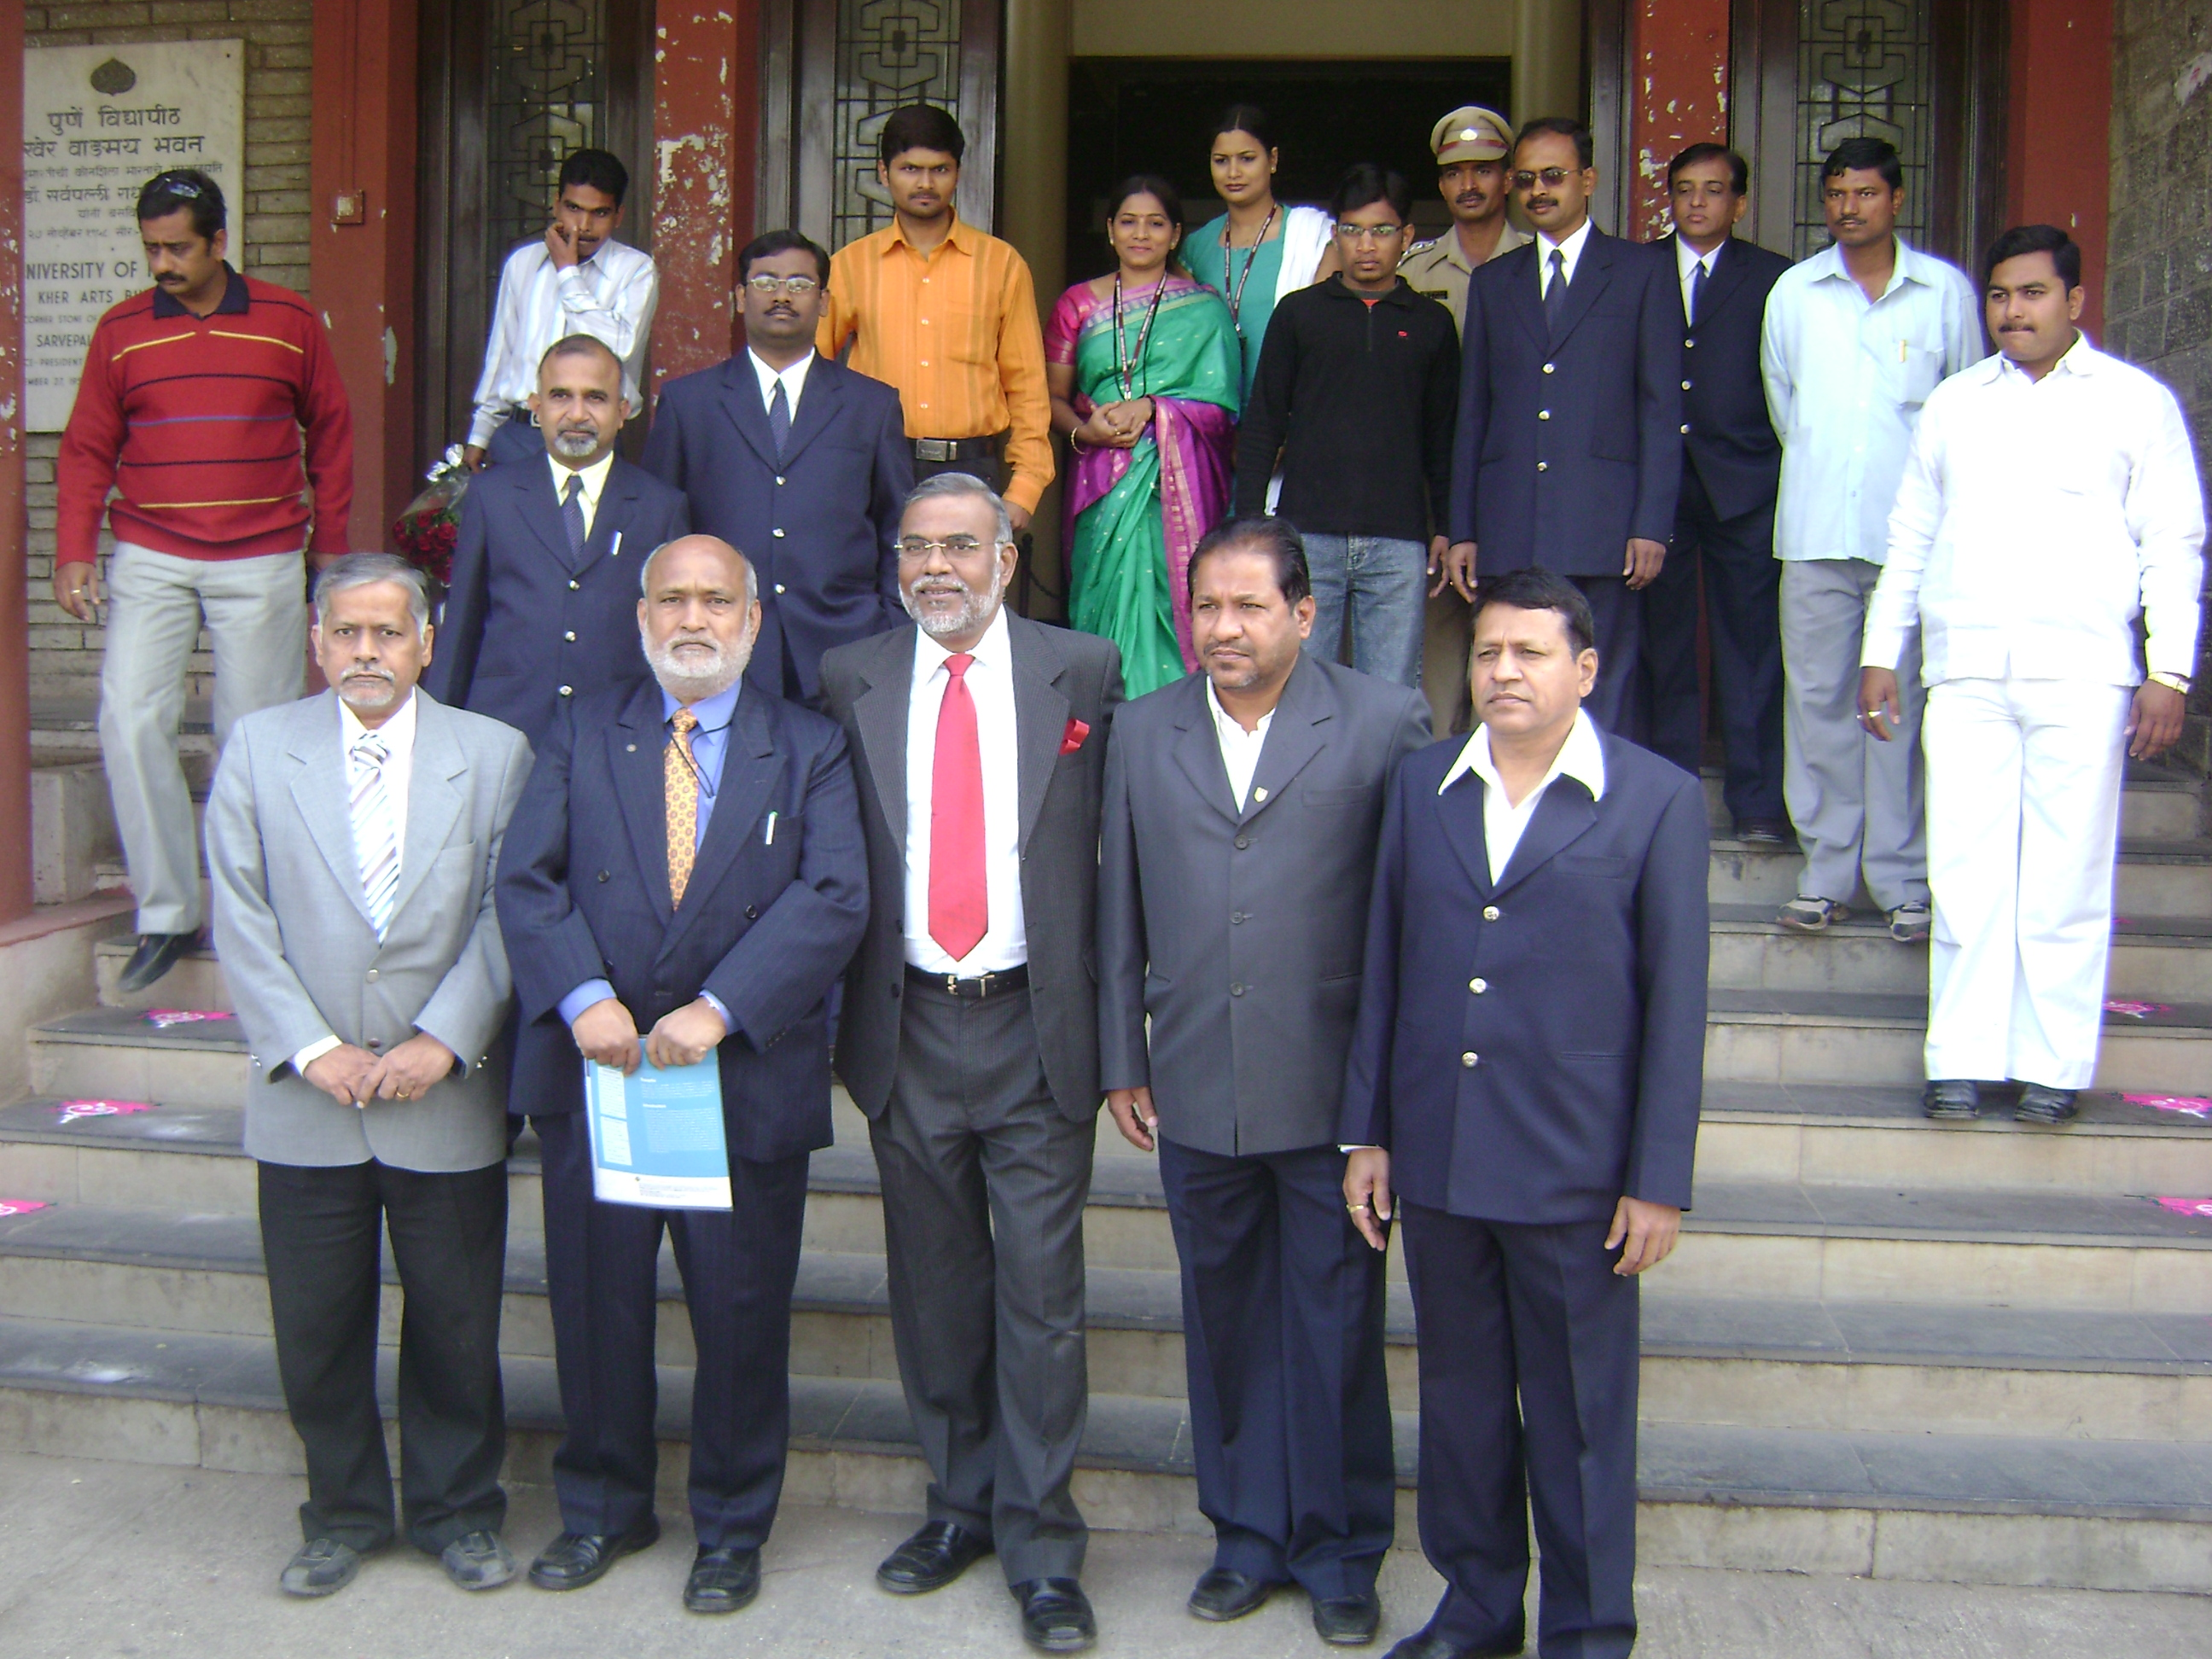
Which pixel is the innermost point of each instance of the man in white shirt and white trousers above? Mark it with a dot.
(576, 279)
(2051, 497)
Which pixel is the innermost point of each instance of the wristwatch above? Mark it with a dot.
(2172, 681)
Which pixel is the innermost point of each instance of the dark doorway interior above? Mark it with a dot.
(1155, 115)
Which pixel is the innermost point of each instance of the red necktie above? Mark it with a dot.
(959, 906)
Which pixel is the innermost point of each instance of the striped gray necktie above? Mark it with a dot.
(375, 836)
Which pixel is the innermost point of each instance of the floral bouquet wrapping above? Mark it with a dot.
(430, 526)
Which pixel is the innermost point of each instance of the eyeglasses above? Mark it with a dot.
(768, 287)
(914, 548)
(1357, 234)
(1553, 178)
(170, 184)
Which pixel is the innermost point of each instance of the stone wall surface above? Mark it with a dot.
(2157, 297)
(64, 653)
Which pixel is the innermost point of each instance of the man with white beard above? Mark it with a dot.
(684, 876)
(969, 1036)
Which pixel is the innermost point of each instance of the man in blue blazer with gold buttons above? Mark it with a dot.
(1522, 1094)
(800, 461)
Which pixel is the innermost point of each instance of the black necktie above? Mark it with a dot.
(1697, 290)
(572, 516)
(778, 418)
(1555, 296)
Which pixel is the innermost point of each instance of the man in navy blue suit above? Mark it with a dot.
(684, 875)
(1524, 1092)
(1568, 453)
(800, 461)
(541, 607)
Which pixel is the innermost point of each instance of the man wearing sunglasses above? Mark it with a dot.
(1569, 452)
(799, 460)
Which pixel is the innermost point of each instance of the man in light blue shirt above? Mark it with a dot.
(1855, 339)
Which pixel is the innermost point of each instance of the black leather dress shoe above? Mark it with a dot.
(1425, 1646)
(931, 1558)
(1764, 832)
(1056, 1615)
(1224, 1594)
(156, 954)
(722, 1581)
(2039, 1103)
(1951, 1099)
(577, 1559)
(1348, 1621)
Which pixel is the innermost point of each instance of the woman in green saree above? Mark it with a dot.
(1145, 374)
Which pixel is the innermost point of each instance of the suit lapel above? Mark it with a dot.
(818, 402)
(1465, 831)
(616, 501)
(1524, 285)
(1040, 714)
(635, 743)
(1198, 750)
(881, 713)
(741, 402)
(1593, 276)
(1727, 277)
(434, 797)
(750, 769)
(1561, 818)
(1298, 734)
(322, 792)
(540, 507)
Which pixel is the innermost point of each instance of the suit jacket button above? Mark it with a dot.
(779, 481)
(603, 875)
(570, 636)
(1489, 913)
(1243, 841)
(1686, 386)
(1687, 345)
(1547, 368)
(568, 690)
(1543, 414)
(1478, 986)
(751, 914)
(574, 585)
(778, 587)
(1237, 989)
(1469, 1058)
(1686, 428)
(1236, 916)
(1546, 467)
(777, 533)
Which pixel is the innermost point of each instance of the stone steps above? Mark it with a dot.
(2154, 877)
(2160, 802)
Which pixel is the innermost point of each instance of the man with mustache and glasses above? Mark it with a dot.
(352, 842)
(542, 606)
(1855, 339)
(798, 460)
(684, 876)
(1241, 810)
(969, 1036)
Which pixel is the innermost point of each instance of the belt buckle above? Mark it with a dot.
(983, 986)
(953, 985)
(935, 449)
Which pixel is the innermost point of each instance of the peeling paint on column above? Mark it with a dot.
(1680, 52)
(702, 204)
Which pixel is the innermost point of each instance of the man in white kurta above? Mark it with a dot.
(2051, 499)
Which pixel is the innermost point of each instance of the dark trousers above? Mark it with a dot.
(984, 1181)
(1742, 584)
(739, 1266)
(322, 1233)
(1290, 1404)
(991, 469)
(1504, 1308)
(1619, 614)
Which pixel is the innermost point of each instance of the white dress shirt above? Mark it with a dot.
(990, 680)
(1845, 378)
(595, 480)
(610, 296)
(1572, 248)
(1581, 757)
(1240, 749)
(1687, 263)
(2037, 518)
(398, 735)
(793, 378)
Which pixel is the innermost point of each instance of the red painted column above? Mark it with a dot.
(706, 137)
(2058, 111)
(1678, 96)
(15, 596)
(360, 247)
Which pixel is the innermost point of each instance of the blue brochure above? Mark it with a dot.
(657, 1136)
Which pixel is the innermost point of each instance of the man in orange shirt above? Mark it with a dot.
(948, 315)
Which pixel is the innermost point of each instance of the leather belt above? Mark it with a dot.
(1016, 978)
(524, 413)
(955, 449)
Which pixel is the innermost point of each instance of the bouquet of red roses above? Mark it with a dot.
(430, 526)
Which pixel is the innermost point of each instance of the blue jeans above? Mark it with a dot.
(1384, 584)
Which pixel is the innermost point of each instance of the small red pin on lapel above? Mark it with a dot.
(1072, 738)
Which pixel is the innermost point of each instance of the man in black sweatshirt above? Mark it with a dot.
(1357, 391)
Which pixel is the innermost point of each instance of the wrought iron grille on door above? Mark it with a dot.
(1865, 70)
(549, 94)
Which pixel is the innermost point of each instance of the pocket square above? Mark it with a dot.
(1072, 739)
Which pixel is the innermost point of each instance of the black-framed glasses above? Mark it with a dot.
(769, 286)
(1553, 178)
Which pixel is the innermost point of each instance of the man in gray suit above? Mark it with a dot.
(352, 839)
(969, 1037)
(1238, 846)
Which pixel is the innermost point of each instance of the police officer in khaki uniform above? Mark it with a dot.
(1471, 144)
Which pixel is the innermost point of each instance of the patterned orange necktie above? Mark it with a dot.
(680, 788)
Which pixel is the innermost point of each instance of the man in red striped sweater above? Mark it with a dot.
(191, 408)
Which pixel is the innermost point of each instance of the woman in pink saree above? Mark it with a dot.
(1144, 372)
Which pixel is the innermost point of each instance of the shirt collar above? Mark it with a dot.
(1687, 258)
(235, 299)
(595, 477)
(1907, 268)
(1581, 757)
(2078, 359)
(992, 649)
(793, 378)
(398, 732)
(713, 713)
(1569, 245)
(1228, 723)
(962, 236)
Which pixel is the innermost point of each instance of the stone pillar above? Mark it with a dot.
(15, 596)
(1547, 49)
(2059, 172)
(706, 146)
(1678, 96)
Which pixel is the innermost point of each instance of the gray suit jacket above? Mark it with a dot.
(1061, 680)
(304, 962)
(1249, 924)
